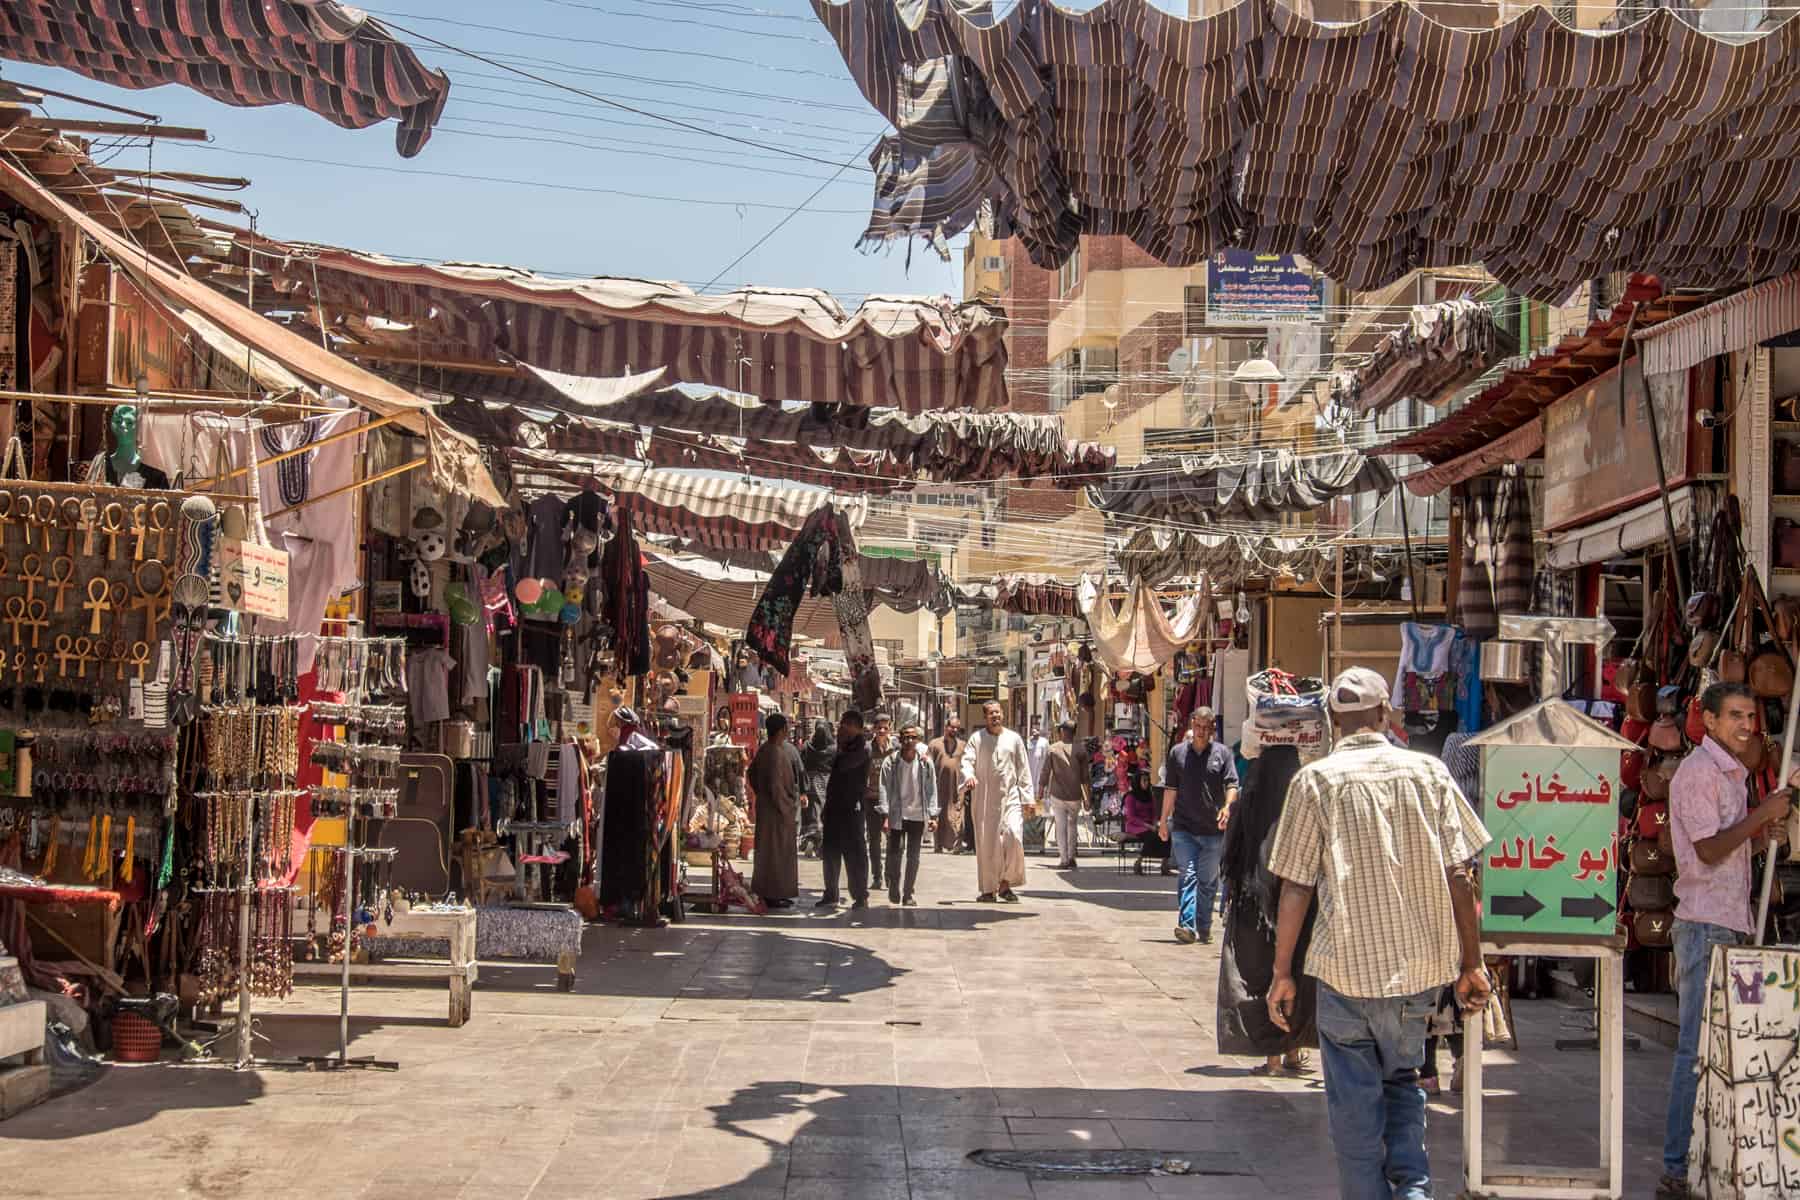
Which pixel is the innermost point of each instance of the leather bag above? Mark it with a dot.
(1770, 675)
(1631, 768)
(1695, 726)
(1640, 701)
(1655, 784)
(1758, 752)
(1650, 893)
(1654, 929)
(1647, 858)
(1703, 611)
(1703, 648)
(1665, 735)
(1652, 819)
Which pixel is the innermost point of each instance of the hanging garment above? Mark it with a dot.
(428, 684)
(1426, 677)
(1138, 639)
(997, 765)
(814, 561)
(852, 606)
(548, 517)
(633, 796)
(627, 600)
(1498, 563)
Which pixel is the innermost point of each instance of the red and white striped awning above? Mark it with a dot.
(1738, 322)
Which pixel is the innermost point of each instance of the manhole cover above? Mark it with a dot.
(1108, 1162)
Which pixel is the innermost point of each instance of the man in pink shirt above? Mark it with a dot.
(1713, 826)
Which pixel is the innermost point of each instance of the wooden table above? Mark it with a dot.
(456, 927)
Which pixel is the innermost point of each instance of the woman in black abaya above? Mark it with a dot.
(1248, 963)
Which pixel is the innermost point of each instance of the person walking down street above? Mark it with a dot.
(945, 754)
(778, 781)
(1037, 751)
(997, 779)
(1382, 837)
(846, 843)
(908, 803)
(1247, 964)
(881, 748)
(1714, 828)
(1200, 784)
(817, 758)
(1062, 788)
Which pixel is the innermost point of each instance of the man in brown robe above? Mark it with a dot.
(945, 754)
(777, 778)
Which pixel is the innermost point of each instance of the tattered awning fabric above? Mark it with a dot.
(321, 55)
(1024, 594)
(912, 353)
(1138, 638)
(1157, 555)
(454, 460)
(1439, 348)
(727, 513)
(1260, 485)
(1547, 154)
(844, 446)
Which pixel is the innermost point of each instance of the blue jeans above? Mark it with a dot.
(1197, 857)
(1694, 941)
(1372, 1050)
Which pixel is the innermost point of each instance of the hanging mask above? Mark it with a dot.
(421, 580)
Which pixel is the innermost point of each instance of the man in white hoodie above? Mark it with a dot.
(908, 802)
(997, 778)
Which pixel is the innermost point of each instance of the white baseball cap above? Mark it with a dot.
(1357, 690)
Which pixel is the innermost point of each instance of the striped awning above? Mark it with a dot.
(1517, 446)
(1547, 154)
(913, 353)
(318, 54)
(1737, 322)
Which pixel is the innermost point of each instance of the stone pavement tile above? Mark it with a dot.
(804, 1164)
(1191, 1137)
(1218, 1187)
(1057, 1133)
(982, 1183)
(1132, 1188)
(847, 1189)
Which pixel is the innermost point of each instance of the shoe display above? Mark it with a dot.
(1186, 936)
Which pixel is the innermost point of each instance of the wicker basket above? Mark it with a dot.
(135, 1039)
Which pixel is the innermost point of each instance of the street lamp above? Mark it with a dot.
(1258, 377)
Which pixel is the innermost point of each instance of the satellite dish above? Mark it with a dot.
(1180, 361)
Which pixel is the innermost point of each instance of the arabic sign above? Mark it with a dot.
(1551, 869)
(252, 578)
(1746, 1143)
(1245, 288)
(1598, 455)
(745, 708)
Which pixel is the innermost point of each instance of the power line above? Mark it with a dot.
(599, 99)
(757, 244)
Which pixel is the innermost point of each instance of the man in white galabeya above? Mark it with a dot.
(1383, 837)
(997, 778)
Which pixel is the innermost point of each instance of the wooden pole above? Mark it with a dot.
(357, 485)
(287, 454)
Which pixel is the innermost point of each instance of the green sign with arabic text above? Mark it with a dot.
(1551, 870)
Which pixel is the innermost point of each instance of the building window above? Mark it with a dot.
(1068, 276)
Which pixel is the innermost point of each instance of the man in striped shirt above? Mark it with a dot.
(1382, 836)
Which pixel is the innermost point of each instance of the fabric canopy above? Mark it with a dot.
(455, 460)
(726, 596)
(318, 54)
(1027, 595)
(1139, 639)
(913, 353)
(715, 511)
(1515, 447)
(1631, 530)
(1157, 555)
(1547, 154)
(1736, 322)
(1262, 485)
(1440, 347)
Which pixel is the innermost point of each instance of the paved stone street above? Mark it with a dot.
(856, 1056)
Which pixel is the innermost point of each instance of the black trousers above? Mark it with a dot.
(877, 827)
(912, 834)
(845, 844)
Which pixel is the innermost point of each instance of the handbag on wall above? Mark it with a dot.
(1650, 893)
(1649, 859)
(1655, 929)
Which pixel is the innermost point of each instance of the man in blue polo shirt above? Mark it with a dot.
(1200, 784)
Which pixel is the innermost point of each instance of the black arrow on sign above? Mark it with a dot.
(1591, 907)
(1523, 907)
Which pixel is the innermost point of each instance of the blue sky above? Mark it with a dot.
(762, 70)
